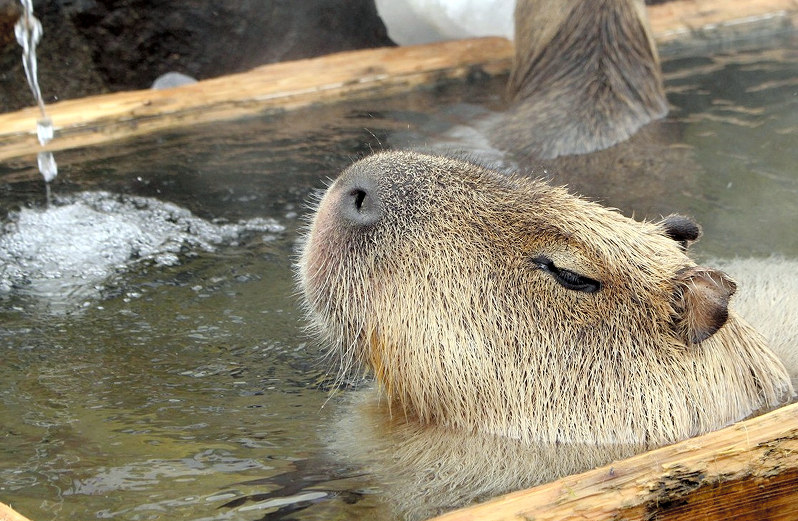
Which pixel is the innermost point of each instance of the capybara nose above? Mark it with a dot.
(360, 203)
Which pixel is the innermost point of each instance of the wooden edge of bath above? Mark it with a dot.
(278, 87)
(679, 19)
(9, 514)
(348, 75)
(748, 471)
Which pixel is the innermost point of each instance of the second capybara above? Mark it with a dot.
(516, 332)
(586, 107)
(585, 76)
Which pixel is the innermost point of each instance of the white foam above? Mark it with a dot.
(77, 243)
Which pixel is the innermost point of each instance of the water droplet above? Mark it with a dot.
(47, 166)
(44, 129)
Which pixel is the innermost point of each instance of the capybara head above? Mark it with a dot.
(503, 305)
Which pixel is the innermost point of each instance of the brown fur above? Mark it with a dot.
(449, 282)
(767, 299)
(586, 76)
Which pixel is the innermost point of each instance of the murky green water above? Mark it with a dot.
(191, 392)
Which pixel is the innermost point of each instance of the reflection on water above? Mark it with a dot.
(188, 390)
(739, 115)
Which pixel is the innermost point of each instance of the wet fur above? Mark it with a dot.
(427, 469)
(766, 298)
(492, 376)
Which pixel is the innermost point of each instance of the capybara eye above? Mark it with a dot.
(567, 278)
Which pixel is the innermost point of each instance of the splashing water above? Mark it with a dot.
(28, 31)
(65, 254)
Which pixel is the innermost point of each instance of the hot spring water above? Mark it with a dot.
(154, 364)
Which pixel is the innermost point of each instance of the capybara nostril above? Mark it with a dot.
(360, 196)
(360, 203)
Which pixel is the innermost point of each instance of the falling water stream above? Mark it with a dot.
(28, 31)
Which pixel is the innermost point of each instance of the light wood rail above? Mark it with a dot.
(748, 471)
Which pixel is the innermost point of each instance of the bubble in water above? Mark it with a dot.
(47, 166)
(44, 130)
(65, 253)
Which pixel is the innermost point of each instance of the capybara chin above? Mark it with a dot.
(499, 306)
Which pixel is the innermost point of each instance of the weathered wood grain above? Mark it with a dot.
(276, 87)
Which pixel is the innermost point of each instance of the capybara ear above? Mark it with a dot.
(681, 229)
(701, 302)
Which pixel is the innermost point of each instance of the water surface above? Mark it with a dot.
(187, 389)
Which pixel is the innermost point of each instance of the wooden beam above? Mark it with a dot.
(686, 19)
(748, 471)
(276, 87)
(344, 76)
(9, 514)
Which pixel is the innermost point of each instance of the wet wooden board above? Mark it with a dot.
(349, 75)
(276, 87)
(748, 471)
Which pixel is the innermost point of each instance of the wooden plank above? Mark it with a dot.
(349, 75)
(673, 21)
(278, 87)
(9, 514)
(748, 471)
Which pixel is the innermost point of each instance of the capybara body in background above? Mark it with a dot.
(585, 77)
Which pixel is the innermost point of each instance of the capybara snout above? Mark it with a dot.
(358, 199)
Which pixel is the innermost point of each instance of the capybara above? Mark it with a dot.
(517, 332)
(586, 102)
(586, 76)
